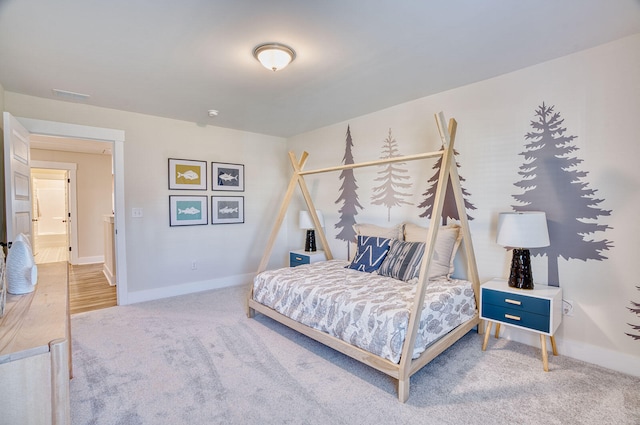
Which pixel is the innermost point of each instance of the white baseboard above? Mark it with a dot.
(89, 260)
(610, 359)
(189, 288)
(109, 275)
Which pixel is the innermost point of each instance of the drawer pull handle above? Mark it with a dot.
(514, 302)
(298, 258)
(512, 317)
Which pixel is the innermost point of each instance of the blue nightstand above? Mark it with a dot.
(298, 258)
(538, 310)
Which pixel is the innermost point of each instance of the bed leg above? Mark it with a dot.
(403, 390)
(251, 313)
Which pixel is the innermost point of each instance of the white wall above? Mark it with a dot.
(159, 257)
(94, 197)
(597, 92)
(2, 205)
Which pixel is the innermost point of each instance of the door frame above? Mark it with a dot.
(70, 168)
(107, 135)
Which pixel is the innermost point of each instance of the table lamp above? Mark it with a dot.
(306, 223)
(521, 231)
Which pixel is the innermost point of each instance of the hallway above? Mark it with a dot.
(89, 289)
(51, 254)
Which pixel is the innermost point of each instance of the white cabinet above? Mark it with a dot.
(109, 267)
(538, 310)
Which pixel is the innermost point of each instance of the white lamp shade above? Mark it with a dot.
(306, 222)
(526, 229)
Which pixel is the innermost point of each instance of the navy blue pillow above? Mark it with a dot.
(370, 253)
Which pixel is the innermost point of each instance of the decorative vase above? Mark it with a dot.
(21, 270)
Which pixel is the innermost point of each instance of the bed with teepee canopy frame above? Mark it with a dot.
(408, 362)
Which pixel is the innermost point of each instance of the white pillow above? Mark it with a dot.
(365, 229)
(447, 244)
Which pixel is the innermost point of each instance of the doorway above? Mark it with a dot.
(114, 139)
(50, 196)
(70, 199)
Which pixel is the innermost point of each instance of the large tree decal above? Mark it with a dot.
(348, 197)
(635, 310)
(449, 209)
(553, 184)
(392, 177)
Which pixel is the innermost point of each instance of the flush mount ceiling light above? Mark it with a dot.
(274, 56)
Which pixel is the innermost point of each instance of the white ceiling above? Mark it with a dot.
(71, 145)
(178, 59)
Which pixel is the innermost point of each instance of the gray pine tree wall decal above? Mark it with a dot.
(553, 184)
(349, 198)
(449, 210)
(635, 310)
(393, 178)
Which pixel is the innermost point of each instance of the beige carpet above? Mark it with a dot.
(197, 359)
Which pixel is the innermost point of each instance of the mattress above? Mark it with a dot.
(364, 309)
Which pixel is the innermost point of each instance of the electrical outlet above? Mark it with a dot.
(567, 308)
(136, 212)
(194, 265)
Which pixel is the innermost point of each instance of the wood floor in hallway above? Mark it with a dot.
(51, 254)
(89, 289)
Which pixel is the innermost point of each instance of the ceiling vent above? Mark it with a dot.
(69, 95)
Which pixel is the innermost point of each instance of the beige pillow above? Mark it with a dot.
(447, 244)
(364, 229)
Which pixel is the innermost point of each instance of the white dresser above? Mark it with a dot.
(35, 352)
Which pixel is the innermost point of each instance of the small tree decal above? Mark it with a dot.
(635, 310)
(392, 178)
(552, 183)
(449, 209)
(348, 197)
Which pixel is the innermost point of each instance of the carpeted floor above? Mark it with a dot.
(197, 359)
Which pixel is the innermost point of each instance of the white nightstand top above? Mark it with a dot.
(539, 290)
(309, 253)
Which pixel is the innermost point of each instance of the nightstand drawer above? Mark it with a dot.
(517, 302)
(297, 259)
(516, 317)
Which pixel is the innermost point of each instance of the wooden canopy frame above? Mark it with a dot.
(407, 366)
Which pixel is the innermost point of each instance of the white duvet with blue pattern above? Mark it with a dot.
(364, 309)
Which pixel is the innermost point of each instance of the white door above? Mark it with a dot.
(50, 215)
(17, 179)
(67, 214)
(51, 203)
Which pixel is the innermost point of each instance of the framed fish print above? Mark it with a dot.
(187, 174)
(227, 176)
(188, 210)
(227, 209)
